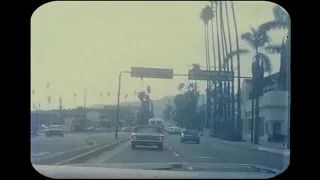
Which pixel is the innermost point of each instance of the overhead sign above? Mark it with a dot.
(210, 75)
(151, 73)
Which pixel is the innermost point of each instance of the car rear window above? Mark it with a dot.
(192, 131)
(148, 129)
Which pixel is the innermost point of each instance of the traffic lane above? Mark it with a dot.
(124, 154)
(43, 145)
(209, 151)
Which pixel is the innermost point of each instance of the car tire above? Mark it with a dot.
(181, 140)
(198, 141)
(133, 146)
(160, 146)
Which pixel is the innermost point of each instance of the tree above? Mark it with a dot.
(206, 16)
(146, 103)
(261, 63)
(167, 112)
(281, 21)
(238, 67)
(186, 107)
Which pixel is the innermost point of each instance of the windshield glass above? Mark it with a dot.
(216, 69)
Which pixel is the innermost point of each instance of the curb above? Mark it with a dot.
(259, 148)
(88, 155)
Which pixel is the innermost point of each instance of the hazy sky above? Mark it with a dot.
(77, 45)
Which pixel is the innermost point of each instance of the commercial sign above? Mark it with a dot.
(210, 75)
(151, 73)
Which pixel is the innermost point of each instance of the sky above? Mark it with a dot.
(84, 45)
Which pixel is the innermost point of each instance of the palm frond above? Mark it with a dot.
(231, 54)
(249, 38)
(274, 48)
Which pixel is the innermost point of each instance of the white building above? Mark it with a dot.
(274, 110)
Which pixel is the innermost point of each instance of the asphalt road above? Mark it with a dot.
(43, 146)
(208, 151)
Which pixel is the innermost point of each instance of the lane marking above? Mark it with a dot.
(206, 157)
(176, 154)
(190, 168)
(39, 154)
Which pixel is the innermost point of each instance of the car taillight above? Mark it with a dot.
(160, 138)
(134, 137)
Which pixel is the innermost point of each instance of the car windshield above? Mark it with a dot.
(189, 82)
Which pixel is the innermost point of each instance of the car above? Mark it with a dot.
(126, 129)
(54, 130)
(190, 135)
(147, 135)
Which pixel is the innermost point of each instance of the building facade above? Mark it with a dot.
(274, 111)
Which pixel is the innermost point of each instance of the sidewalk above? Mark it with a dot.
(272, 147)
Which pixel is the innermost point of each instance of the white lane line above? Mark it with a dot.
(176, 154)
(190, 168)
(39, 154)
(206, 157)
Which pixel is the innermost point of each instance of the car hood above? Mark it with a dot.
(156, 170)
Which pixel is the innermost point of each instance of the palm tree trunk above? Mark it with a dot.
(206, 49)
(219, 114)
(224, 51)
(232, 80)
(238, 73)
(215, 69)
(255, 86)
(208, 87)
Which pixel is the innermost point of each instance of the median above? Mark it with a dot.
(96, 144)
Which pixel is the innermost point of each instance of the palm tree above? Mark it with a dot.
(226, 66)
(281, 21)
(220, 112)
(231, 67)
(206, 15)
(126, 97)
(238, 67)
(74, 98)
(261, 63)
(181, 86)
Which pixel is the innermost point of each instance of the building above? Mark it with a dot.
(273, 113)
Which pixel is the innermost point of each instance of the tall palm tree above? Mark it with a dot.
(206, 15)
(281, 21)
(220, 110)
(226, 65)
(75, 98)
(238, 68)
(261, 63)
(231, 67)
(214, 95)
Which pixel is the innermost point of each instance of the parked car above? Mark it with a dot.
(126, 129)
(190, 135)
(54, 130)
(147, 135)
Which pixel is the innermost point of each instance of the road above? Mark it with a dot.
(208, 151)
(42, 145)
